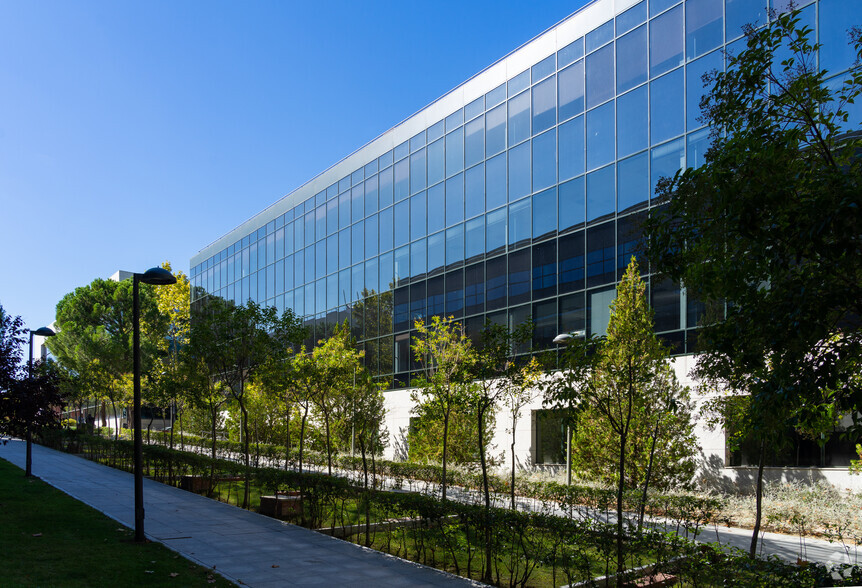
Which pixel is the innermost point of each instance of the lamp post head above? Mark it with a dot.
(566, 338)
(157, 276)
(44, 332)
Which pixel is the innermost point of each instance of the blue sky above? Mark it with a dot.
(137, 132)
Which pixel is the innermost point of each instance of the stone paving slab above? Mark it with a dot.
(245, 547)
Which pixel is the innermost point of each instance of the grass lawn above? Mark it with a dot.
(50, 539)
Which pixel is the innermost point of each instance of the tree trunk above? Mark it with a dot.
(287, 441)
(445, 440)
(512, 486)
(302, 437)
(620, 489)
(758, 510)
(246, 450)
(328, 444)
(116, 424)
(481, 418)
(646, 481)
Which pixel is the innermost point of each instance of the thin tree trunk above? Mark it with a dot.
(287, 442)
(445, 440)
(512, 488)
(646, 481)
(752, 551)
(302, 437)
(328, 445)
(481, 418)
(246, 449)
(620, 489)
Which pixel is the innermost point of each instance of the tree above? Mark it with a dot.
(520, 392)
(769, 225)
(445, 356)
(94, 337)
(12, 338)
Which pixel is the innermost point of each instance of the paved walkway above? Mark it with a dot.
(245, 547)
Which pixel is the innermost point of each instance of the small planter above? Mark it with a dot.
(281, 505)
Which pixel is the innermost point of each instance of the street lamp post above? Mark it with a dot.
(565, 339)
(158, 277)
(42, 332)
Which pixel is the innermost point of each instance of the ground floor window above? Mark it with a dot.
(796, 450)
(549, 437)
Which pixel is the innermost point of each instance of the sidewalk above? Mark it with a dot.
(245, 547)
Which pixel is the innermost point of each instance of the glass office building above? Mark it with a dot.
(516, 195)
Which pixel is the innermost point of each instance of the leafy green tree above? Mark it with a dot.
(521, 390)
(445, 356)
(12, 338)
(770, 225)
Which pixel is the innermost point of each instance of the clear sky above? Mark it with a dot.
(137, 132)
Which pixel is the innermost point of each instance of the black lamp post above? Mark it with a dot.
(565, 339)
(42, 332)
(158, 277)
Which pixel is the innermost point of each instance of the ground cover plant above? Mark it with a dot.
(535, 548)
(50, 539)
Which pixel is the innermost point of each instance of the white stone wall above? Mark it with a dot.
(399, 405)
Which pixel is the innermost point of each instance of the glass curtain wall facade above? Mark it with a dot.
(523, 201)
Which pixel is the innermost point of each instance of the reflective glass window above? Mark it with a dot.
(289, 281)
(495, 182)
(544, 105)
(600, 135)
(519, 171)
(417, 141)
(520, 223)
(632, 118)
(344, 258)
(519, 118)
(599, 36)
(495, 130)
(545, 214)
(357, 276)
(474, 288)
(571, 91)
(270, 245)
(358, 242)
(332, 254)
(695, 88)
(495, 96)
(418, 216)
(601, 254)
(630, 243)
(418, 259)
(474, 237)
(371, 204)
(299, 268)
(372, 231)
(665, 50)
(519, 276)
(836, 19)
(435, 131)
(385, 159)
(370, 168)
(600, 76)
(402, 179)
(518, 83)
(436, 208)
(401, 263)
(632, 59)
(454, 200)
(454, 245)
(704, 26)
(475, 108)
(474, 191)
(544, 68)
(740, 13)
(417, 171)
(666, 160)
(344, 216)
(495, 231)
(309, 264)
(571, 151)
(664, 298)
(456, 119)
(385, 179)
(667, 107)
(601, 200)
(454, 152)
(571, 262)
(698, 144)
(545, 160)
(401, 151)
(343, 185)
(435, 296)
(545, 269)
(633, 182)
(402, 223)
(357, 203)
(386, 234)
(631, 18)
(570, 53)
(474, 141)
(455, 293)
(573, 313)
(385, 267)
(656, 6)
(495, 283)
(331, 291)
(436, 161)
(436, 252)
(288, 238)
(572, 206)
(308, 220)
(332, 216)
